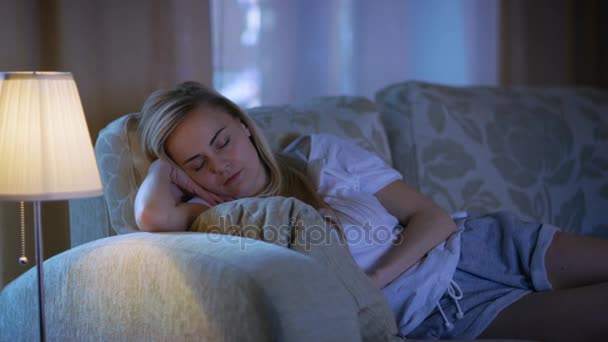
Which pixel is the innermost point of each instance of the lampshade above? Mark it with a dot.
(45, 147)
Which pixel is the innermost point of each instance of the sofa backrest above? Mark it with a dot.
(539, 152)
(123, 164)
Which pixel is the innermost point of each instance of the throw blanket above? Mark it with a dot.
(293, 224)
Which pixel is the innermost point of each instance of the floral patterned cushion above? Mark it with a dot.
(123, 165)
(350, 117)
(539, 152)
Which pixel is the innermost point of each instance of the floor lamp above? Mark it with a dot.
(45, 148)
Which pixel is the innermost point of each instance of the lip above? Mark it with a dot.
(232, 178)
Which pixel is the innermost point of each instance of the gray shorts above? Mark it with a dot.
(502, 259)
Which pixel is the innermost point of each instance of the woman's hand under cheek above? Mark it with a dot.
(183, 186)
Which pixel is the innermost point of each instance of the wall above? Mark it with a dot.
(118, 51)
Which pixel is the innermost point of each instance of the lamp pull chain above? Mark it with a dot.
(23, 260)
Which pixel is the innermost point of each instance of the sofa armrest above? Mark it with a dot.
(88, 220)
(145, 286)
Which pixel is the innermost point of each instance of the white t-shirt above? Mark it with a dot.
(347, 177)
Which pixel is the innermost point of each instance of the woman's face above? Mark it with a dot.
(215, 150)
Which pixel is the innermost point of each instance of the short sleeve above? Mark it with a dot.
(345, 159)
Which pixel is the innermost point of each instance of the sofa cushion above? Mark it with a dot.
(539, 152)
(350, 117)
(123, 164)
(293, 224)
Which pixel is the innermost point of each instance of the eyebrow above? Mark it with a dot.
(210, 144)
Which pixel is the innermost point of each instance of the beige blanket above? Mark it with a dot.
(291, 223)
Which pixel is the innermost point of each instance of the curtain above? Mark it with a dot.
(118, 51)
(554, 42)
(283, 51)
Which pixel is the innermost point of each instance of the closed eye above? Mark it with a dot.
(225, 144)
(200, 167)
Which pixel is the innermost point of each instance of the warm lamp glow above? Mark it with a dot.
(45, 147)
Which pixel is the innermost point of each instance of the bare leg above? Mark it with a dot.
(577, 314)
(576, 260)
(577, 310)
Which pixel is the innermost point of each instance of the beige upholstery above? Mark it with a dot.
(180, 287)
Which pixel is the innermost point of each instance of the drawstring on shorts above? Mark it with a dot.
(455, 293)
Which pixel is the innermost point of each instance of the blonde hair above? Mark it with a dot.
(164, 110)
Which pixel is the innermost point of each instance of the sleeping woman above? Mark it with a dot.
(508, 279)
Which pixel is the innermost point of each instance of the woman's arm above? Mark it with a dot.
(158, 203)
(425, 223)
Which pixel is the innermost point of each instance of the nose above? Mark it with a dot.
(218, 165)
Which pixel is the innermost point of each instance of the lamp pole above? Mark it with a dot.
(39, 264)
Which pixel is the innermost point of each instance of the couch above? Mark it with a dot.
(539, 152)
